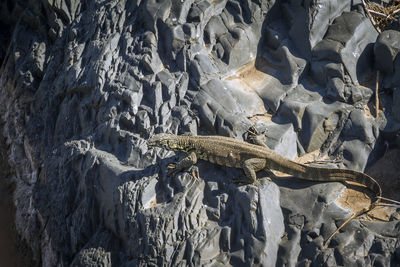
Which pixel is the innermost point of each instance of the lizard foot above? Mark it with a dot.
(253, 131)
(256, 137)
(173, 170)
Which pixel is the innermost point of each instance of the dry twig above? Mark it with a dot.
(377, 94)
(370, 17)
(381, 15)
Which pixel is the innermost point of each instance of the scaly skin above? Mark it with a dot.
(252, 158)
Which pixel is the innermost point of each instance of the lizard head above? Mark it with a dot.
(167, 141)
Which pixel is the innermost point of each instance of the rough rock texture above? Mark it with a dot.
(386, 50)
(85, 83)
(345, 50)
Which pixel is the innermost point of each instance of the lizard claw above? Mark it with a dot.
(256, 137)
(171, 166)
(171, 169)
(252, 132)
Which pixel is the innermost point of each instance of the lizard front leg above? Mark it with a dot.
(251, 166)
(184, 163)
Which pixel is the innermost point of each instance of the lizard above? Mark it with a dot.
(252, 158)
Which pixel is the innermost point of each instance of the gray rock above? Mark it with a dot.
(323, 71)
(357, 140)
(352, 47)
(300, 200)
(359, 127)
(272, 94)
(386, 49)
(201, 233)
(357, 52)
(320, 123)
(248, 101)
(282, 139)
(396, 76)
(103, 255)
(327, 50)
(295, 103)
(279, 137)
(278, 83)
(396, 104)
(355, 154)
(219, 111)
(309, 22)
(201, 68)
(180, 10)
(151, 11)
(337, 90)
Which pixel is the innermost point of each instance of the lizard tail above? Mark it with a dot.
(343, 175)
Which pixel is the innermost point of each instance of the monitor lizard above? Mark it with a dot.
(253, 158)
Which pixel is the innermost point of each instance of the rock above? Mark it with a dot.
(153, 10)
(295, 104)
(201, 68)
(301, 200)
(328, 50)
(357, 140)
(323, 71)
(180, 10)
(219, 110)
(396, 104)
(357, 52)
(276, 84)
(396, 74)
(386, 49)
(336, 89)
(248, 101)
(351, 47)
(279, 137)
(320, 123)
(272, 94)
(355, 154)
(394, 24)
(359, 127)
(308, 23)
(386, 172)
(102, 255)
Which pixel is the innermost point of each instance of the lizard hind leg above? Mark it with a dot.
(251, 166)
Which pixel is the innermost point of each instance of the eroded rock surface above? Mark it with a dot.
(85, 84)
